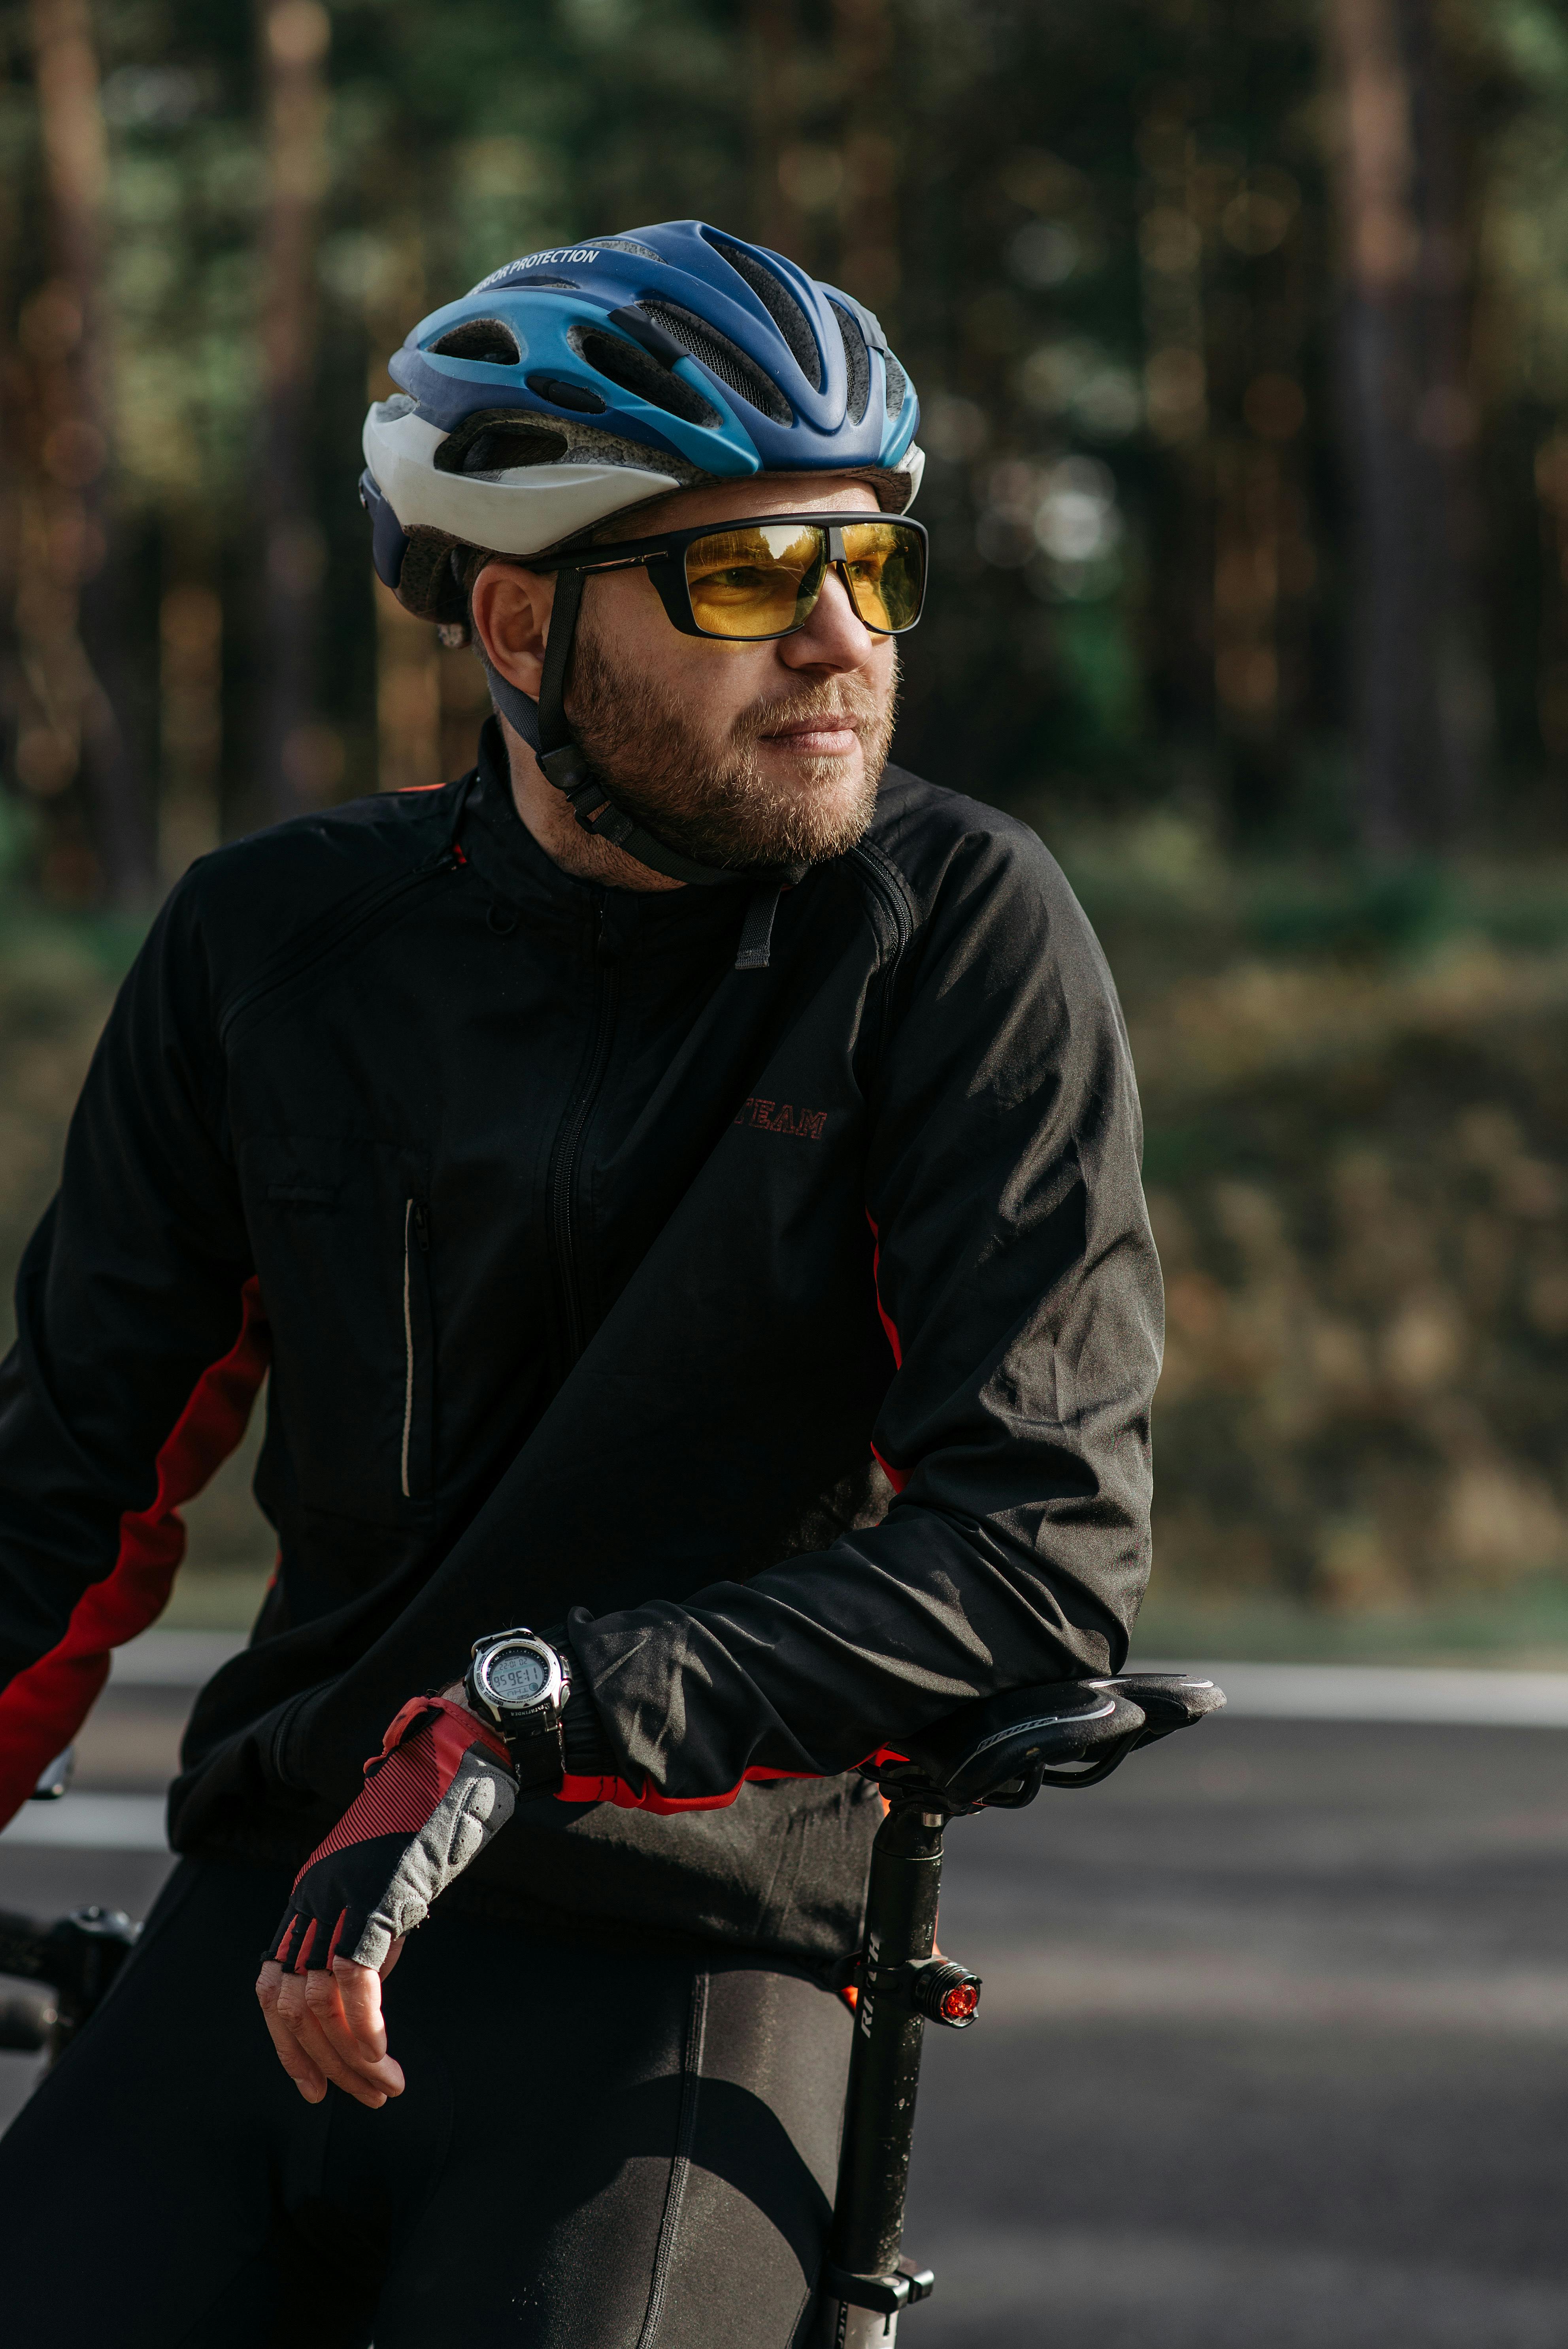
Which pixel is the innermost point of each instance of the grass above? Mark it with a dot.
(1527, 1630)
(1355, 1097)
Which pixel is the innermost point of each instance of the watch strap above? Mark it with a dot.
(585, 1748)
(536, 1758)
(534, 1741)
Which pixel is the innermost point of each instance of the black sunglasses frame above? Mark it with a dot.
(662, 559)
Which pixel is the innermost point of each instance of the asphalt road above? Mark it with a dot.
(1273, 2048)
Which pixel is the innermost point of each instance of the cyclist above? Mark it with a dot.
(683, 1179)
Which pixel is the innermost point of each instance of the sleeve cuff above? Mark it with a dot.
(582, 1747)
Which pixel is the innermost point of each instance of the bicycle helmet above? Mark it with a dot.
(574, 384)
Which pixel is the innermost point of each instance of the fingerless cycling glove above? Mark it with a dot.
(440, 1788)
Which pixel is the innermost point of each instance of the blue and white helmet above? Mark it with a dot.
(574, 384)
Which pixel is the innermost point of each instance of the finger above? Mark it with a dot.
(307, 2077)
(393, 1954)
(298, 2013)
(359, 1994)
(367, 2084)
(326, 2015)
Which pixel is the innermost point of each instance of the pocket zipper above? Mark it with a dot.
(416, 1229)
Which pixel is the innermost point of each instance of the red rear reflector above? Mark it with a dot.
(960, 2003)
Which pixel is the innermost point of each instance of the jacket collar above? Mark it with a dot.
(509, 860)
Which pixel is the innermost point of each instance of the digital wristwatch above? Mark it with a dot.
(520, 1682)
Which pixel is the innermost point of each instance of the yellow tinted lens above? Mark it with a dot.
(759, 581)
(886, 566)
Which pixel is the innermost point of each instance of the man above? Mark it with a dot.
(684, 1177)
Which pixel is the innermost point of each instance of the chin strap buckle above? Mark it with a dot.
(594, 810)
(567, 770)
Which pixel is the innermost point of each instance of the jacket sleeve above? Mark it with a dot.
(138, 1354)
(1018, 1286)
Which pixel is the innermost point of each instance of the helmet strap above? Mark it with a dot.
(545, 728)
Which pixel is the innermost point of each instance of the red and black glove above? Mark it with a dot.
(442, 1785)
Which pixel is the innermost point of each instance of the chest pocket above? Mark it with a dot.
(344, 1242)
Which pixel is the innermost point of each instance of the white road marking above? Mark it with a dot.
(173, 1659)
(1386, 1693)
(1030, 1983)
(91, 1823)
(1393, 1693)
(1448, 1698)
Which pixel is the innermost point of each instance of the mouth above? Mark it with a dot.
(821, 737)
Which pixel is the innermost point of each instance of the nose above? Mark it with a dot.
(835, 638)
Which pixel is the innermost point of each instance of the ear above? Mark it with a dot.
(511, 611)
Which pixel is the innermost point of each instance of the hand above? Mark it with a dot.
(326, 2026)
(442, 1785)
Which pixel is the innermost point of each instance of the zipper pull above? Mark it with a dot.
(422, 1226)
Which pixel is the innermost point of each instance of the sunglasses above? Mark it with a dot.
(751, 581)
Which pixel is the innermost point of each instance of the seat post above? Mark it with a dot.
(993, 1754)
(884, 2066)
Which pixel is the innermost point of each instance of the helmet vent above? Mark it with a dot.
(487, 340)
(625, 244)
(780, 303)
(637, 371)
(562, 393)
(897, 383)
(858, 363)
(720, 357)
(499, 441)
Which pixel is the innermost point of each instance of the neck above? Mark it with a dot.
(549, 817)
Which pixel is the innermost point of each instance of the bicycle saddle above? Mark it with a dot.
(997, 1751)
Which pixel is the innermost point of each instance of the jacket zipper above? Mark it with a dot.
(416, 1234)
(887, 892)
(568, 1148)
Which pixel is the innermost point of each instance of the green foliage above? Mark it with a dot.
(1101, 211)
(1115, 273)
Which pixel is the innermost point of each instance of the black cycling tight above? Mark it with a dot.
(595, 2151)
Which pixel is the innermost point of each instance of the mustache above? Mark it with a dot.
(845, 700)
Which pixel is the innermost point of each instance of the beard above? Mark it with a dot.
(713, 799)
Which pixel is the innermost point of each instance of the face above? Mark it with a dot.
(740, 755)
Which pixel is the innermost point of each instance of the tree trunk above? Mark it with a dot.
(410, 669)
(1418, 698)
(868, 201)
(191, 722)
(777, 218)
(67, 618)
(12, 426)
(293, 762)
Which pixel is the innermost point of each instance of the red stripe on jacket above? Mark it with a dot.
(897, 1477)
(44, 1707)
(627, 1798)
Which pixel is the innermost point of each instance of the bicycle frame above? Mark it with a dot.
(990, 1755)
(885, 2075)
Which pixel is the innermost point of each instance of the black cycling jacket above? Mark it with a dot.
(790, 1333)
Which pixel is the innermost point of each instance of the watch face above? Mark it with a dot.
(517, 1676)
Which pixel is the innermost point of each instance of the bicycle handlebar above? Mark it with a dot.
(77, 1958)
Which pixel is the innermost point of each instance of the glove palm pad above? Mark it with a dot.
(440, 1788)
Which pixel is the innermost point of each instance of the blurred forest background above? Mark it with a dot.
(1242, 337)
